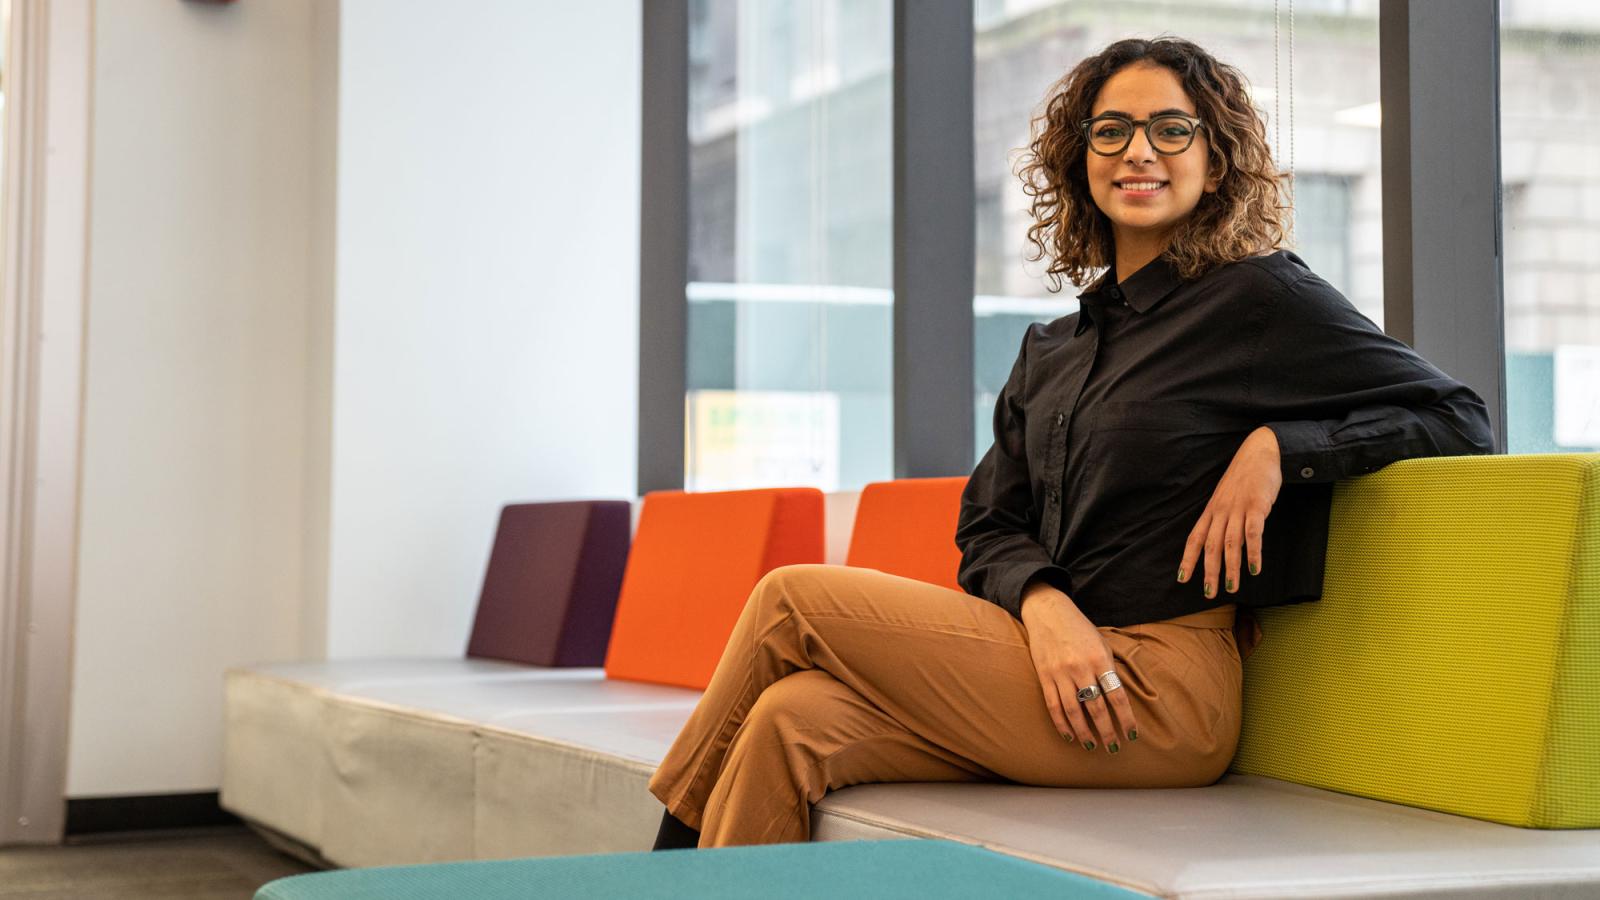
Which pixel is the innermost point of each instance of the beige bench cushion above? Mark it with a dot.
(274, 742)
(1245, 837)
(403, 759)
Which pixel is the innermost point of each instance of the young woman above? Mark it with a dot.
(1120, 524)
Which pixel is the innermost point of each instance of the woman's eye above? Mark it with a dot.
(1176, 131)
(1110, 131)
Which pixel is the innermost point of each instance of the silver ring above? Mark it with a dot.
(1088, 693)
(1110, 681)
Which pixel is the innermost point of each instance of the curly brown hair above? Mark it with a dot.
(1244, 217)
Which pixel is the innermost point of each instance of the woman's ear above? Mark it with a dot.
(1219, 168)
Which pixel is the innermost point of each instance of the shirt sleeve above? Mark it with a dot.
(998, 526)
(1343, 398)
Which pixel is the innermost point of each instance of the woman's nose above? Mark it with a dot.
(1139, 149)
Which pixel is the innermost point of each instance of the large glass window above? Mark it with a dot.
(1550, 166)
(790, 263)
(1024, 46)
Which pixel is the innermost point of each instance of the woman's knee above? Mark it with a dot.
(781, 586)
(787, 579)
(798, 699)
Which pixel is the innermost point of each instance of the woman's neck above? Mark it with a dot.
(1135, 252)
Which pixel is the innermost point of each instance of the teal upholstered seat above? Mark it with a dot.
(879, 869)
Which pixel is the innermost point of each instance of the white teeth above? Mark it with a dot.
(1140, 185)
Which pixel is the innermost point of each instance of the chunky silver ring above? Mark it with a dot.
(1110, 681)
(1088, 693)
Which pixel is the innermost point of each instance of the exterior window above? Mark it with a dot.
(790, 263)
(1549, 134)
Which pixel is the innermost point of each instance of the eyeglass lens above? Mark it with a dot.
(1167, 134)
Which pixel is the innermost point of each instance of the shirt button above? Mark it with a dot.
(1307, 472)
(1061, 418)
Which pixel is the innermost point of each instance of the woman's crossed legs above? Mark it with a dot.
(836, 676)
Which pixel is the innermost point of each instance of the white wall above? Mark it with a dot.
(486, 324)
(359, 273)
(320, 233)
(195, 380)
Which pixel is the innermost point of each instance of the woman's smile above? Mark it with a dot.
(1140, 187)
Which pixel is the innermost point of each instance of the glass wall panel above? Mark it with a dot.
(790, 264)
(1024, 46)
(1550, 166)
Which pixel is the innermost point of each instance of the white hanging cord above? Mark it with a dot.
(1277, 101)
(1277, 89)
(1291, 108)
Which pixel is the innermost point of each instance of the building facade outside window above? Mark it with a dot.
(1550, 167)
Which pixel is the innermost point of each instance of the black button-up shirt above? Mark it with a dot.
(1118, 421)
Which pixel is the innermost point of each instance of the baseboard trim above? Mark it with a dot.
(149, 812)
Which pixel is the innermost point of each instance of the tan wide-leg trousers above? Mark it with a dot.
(836, 676)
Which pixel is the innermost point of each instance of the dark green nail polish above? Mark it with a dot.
(1113, 746)
(1133, 734)
(1180, 574)
(1255, 569)
(1088, 745)
(1209, 589)
(1230, 585)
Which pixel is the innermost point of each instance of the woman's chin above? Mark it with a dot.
(1139, 223)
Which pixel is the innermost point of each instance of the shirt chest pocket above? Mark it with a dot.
(1142, 454)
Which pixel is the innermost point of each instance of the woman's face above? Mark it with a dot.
(1121, 184)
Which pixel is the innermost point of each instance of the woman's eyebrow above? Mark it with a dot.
(1169, 111)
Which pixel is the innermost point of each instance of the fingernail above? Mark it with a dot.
(1113, 746)
(1180, 574)
(1133, 734)
(1088, 745)
(1255, 569)
(1230, 585)
(1210, 590)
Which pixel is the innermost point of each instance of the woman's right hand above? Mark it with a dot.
(1069, 653)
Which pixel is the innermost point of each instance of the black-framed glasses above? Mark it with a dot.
(1168, 135)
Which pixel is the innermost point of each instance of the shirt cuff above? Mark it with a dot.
(1304, 451)
(1055, 576)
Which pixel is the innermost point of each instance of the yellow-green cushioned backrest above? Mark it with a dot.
(1453, 661)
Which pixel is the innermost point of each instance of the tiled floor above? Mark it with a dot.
(213, 864)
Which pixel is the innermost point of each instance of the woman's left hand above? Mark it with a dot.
(1236, 514)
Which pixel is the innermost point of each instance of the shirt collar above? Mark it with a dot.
(1142, 291)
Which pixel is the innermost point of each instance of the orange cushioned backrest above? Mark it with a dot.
(908, 527)
(694, 560)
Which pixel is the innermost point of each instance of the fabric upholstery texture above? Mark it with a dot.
(907, 528)
(551, 585)
(274, 740)
(409, 773)
(912, 870)
(694, 561)
(1453, 661)
(1244, 838)
(559, 783)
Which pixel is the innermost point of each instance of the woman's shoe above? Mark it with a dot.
(674, 835)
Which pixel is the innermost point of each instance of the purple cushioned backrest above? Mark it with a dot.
(550, 591)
